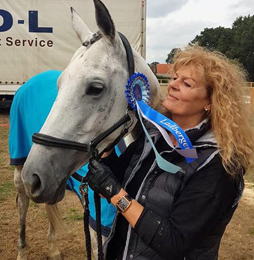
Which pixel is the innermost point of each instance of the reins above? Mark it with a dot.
(48, 140)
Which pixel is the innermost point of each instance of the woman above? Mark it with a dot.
(183, 215)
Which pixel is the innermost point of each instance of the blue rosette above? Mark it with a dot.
(137, 89)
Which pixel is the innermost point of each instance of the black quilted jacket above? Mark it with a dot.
(185, 214)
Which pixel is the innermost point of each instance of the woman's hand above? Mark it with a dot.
(101, 180)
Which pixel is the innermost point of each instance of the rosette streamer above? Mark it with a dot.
(138, 96)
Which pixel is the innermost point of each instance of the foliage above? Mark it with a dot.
(171, 55)
(243, 47)
(154, 63)
(236, 42)
(219, 38)
(153, 66)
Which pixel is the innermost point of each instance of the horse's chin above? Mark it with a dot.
(56, 198)
(53, 198)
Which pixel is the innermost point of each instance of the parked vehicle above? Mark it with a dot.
(35, 34)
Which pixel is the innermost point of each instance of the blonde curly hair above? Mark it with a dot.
(230, 119)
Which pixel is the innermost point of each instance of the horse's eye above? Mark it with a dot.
(94, 89)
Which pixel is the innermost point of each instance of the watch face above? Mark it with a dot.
(123, 203)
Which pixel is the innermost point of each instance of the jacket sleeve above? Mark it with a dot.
(195, 214)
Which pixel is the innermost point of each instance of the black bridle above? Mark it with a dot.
(48, 140)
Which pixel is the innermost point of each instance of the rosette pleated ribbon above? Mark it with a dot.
(138, 96)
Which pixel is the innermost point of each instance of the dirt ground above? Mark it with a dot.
(237, 243)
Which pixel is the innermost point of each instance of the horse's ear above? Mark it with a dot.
(104, 20)
(80, 27)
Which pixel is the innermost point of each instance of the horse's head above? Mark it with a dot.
(91, 98)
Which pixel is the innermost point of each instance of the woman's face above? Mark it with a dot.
(187, 97)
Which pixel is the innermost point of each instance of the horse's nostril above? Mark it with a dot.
(36, 184)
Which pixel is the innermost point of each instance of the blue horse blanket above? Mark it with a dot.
(30, 108)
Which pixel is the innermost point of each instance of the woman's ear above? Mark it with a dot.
(208, 107)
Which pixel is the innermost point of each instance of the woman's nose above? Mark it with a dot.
(173, 84)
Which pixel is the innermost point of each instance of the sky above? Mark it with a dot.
(174, 23)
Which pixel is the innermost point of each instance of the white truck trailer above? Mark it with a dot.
(36, 36)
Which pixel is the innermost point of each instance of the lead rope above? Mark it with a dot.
(85, 202)
(97, 200)
(83, 188)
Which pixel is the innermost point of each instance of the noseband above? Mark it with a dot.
(48, 140)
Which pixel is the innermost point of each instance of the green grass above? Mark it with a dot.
(73, 214)
(11, 168)
(33, 204)
(6, 189)
(2, 159)
(251, 231)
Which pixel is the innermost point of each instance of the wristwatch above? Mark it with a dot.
(124, 203)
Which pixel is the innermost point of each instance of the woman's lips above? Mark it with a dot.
(172, 98)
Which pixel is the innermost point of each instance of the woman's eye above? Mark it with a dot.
(187, 85)
(94, 89)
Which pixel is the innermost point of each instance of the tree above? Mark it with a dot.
(237, 43)
(153, 66)
(209, 37)
(171, 55)
(243, 45)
